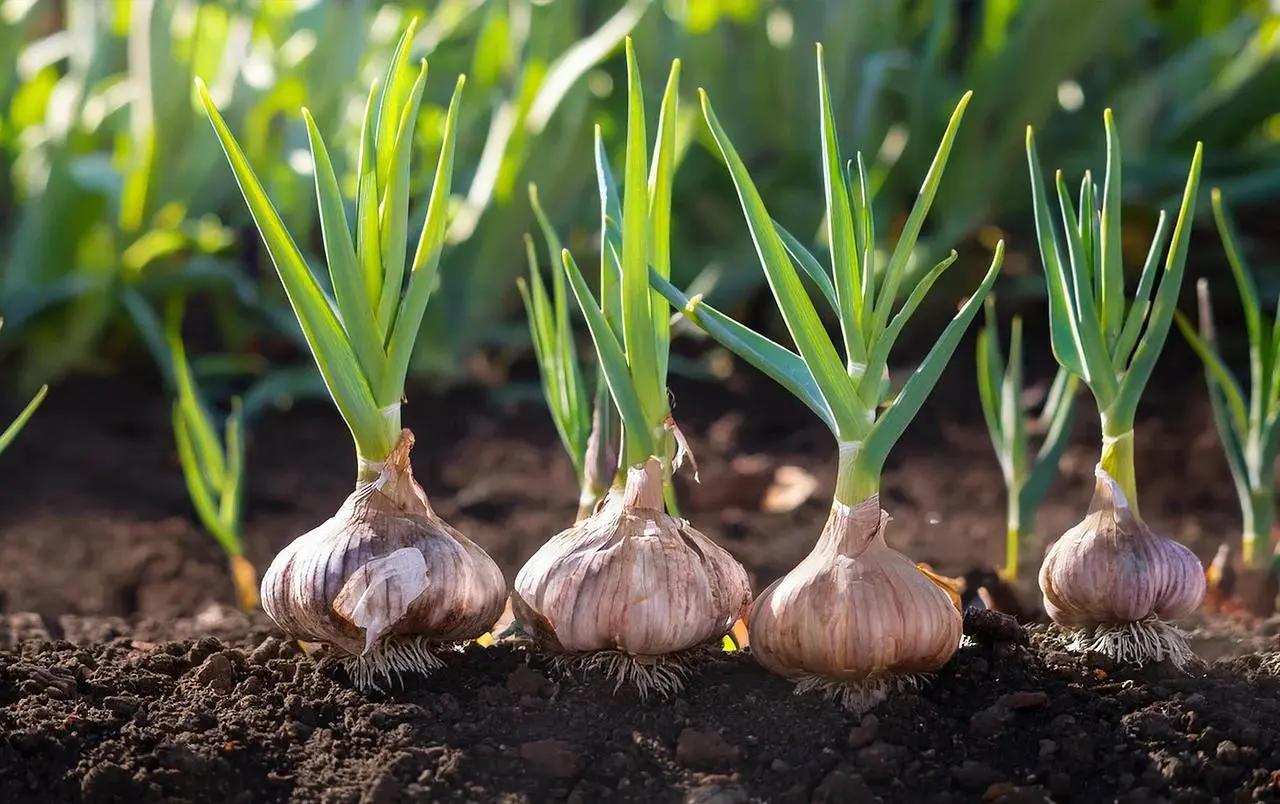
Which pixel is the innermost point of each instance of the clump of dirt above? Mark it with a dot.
(248, 718)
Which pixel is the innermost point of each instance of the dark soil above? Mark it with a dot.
(125, 677)
(116, 719)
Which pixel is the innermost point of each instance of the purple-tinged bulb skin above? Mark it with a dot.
(1111, 572)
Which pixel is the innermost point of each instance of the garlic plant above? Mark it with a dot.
(384, 582)
(632, 588)
(1250, 431)
(856, 618)
(213, 467)
(587, 425)
(1001, 392)
(1110, 578)
(11, 432)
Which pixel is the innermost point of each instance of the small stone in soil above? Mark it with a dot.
(1006, 793)
(992, 627)
(525, 681)
(123, 705)
(554, 758)
(268, 650)
(705, 750)
(716, 794)
(865, 732)
(971, 775)
(215, 673)
(1151, 726)
(840, 786)
(1024, 699)
(991, 721)
(880, 761)
(105, 782)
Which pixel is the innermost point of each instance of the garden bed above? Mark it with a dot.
(124, 676)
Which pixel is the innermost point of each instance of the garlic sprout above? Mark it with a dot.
(11, 432)
(1110, 578)
(1001, 391)
(1249, 431)
(587, 425)
(384, 582)
(856, 618)
(213, 467)
(632, 589)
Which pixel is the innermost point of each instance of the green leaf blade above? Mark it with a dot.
(889, 428)
(906, 244)
(1166, 300)
(840, 234)
(793, 301)
(780, 364)
(613, 363)
(324, 335)
(393, 219)
(424, 274)
(661, 180)
(1112, 266)
(349, 287)
(637, 315)
(1063, 329)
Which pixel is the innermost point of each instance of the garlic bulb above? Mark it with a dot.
(1121, 583)
(631, 588)
(855, 617)
(384, 580)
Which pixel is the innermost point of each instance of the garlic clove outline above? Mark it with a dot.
(1120, 583)
(384, 581)
(633, 582)
(855, 618)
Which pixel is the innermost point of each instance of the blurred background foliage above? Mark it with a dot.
(115, 197)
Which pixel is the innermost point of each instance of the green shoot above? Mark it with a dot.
(1250, 432)
(362, 338)
(583, 422)
(851, 396)
(629, 324)
(11, 432)
(213, 467)
(1026, 477)
(1094, 329)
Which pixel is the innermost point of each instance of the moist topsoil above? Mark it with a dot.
(127, 676)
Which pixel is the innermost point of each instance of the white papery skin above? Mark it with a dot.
(854, 609)
(1112, 569)
(384, 566)
(630, 578)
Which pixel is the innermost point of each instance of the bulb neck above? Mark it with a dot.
(855, 482)
(1259, 522)
(851, 529)
(1117, 460)
(643, 488)
(394, 478)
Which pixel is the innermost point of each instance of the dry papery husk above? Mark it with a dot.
(632, 590)
(1116, 585)
(856, 619)
(385, 582)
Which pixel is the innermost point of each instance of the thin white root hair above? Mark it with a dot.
(1137, 643)
(663, 676)
(1270, 664)
(860, 696)
(390, 660)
